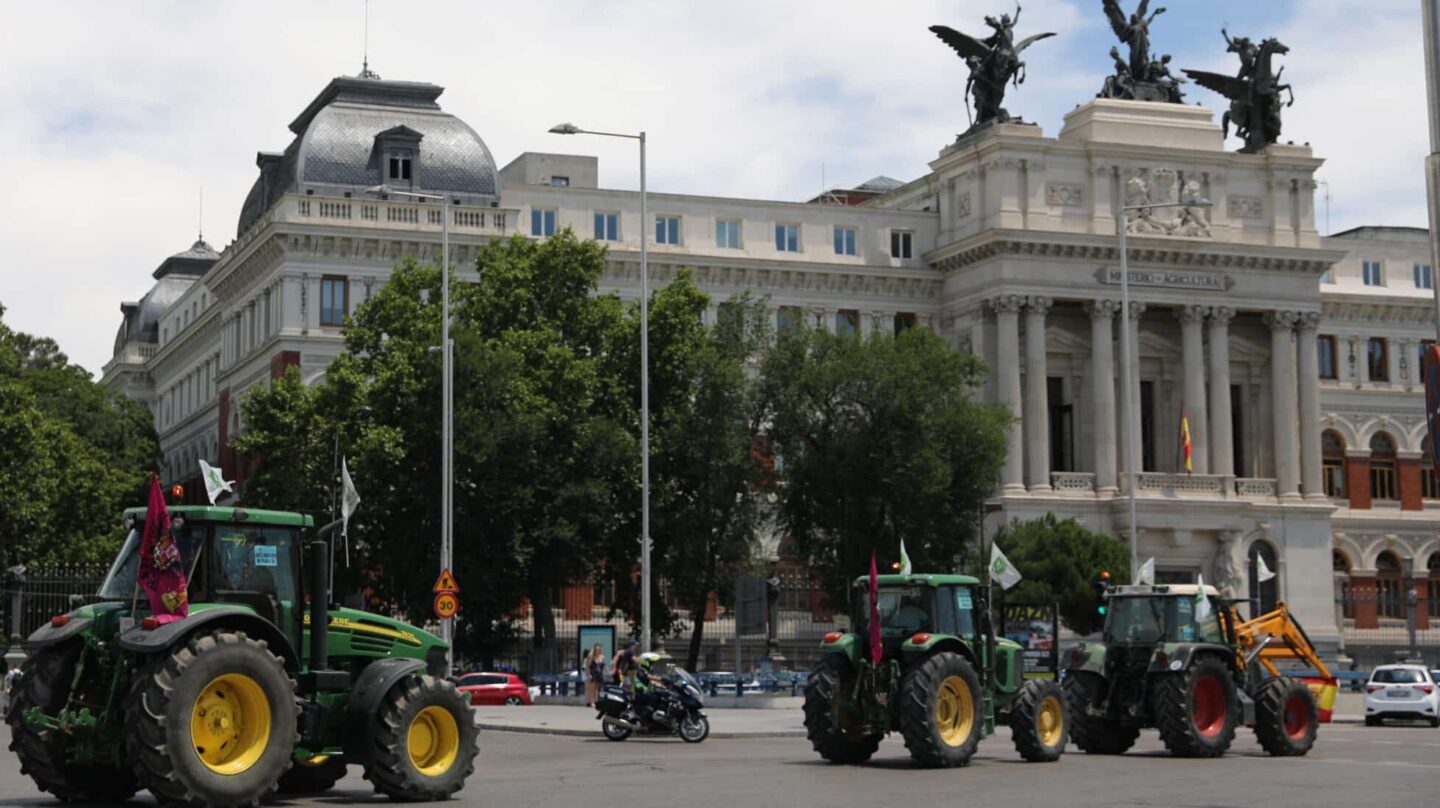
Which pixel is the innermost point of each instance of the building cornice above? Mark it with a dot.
(1180, 252)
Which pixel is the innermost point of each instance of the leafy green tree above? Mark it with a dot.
(879, 439)
(1061, 562)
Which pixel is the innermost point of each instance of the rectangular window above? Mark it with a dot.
(1372, 273)
(1237, 430)
(1061, 426)
(1378, 359)
(904, 321)
(607, 227)
(844, 240)
(334, 299)
(1325, 354)
(1390, 598)
(560, 182)
(399, 167)
(1147, 426)
(902, 244)
(1332, 470)
(1429, 483)
(667, 229)
(1433, 590)
(847, 322)
(542, 222)
(727, 234)
(1382, 479)
(1422, 277)
(787, 237)
(790, 320)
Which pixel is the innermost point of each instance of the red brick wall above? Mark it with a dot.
(1362, 589)
(1357, 481)
(1408, 474)
(282, 360)
(577, 601)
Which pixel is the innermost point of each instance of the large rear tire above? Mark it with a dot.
(213, 722)
(1197, 709)
(314, 775)
(1039, 722)
(425, 741)
(1286, 717)
(941, 712)
(1092, 734)
(45, 681)
(832, 731)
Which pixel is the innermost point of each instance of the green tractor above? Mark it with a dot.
(943, 682)
(1179, 658)
(252, 692)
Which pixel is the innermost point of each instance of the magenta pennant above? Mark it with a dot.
(162, 570)
(877, 650)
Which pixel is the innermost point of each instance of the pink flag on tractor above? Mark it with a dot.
(162, 570)
(877, 650)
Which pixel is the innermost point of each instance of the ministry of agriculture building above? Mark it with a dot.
(1293, 357)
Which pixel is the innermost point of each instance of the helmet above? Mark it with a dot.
(648, 658)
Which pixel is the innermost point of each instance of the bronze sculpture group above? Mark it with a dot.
(1256, 94)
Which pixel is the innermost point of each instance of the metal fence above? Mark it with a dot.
(41, 593)
(1381, 626)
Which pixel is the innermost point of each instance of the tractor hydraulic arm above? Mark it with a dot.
(1275, 636)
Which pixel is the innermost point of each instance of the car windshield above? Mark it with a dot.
(1166, 618)
(1399, 676)
(903, 611)
(120, 582)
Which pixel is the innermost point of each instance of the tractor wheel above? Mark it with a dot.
(1285, 717)
(314, 775)
(425, 741)
(45, 681)
(213, 722)
(1197, 709)
(833, 732)
(1094, 735)
(941, 712)
(1039, 722)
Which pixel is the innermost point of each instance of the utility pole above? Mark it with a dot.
(1431, 11)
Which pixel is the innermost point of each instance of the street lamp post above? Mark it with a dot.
(572, 129)
(447, 407)
(1127, 350)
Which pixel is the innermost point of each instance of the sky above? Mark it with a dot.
(116, 115)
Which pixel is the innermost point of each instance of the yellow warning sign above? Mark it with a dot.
(446, 605)
(446, 582)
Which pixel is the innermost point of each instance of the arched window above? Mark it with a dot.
(1332, 459)
(1389, 586)
(1429, 483)
(1263, 594)
(1340, 565)
(1382, 467)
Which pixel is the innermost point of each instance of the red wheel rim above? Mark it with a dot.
(1209, 706)
(1297, 717)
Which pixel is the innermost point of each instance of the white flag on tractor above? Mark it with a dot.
(1262, 570)
(1202, 601)
(904, 559)
(1146, 574)
(349, 501)
(1001, 570)
(215, 483)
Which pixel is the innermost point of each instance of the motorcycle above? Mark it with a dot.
(675, 709)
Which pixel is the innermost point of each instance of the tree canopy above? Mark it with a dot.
(1061, 562)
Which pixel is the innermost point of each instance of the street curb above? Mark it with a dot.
(595, 733)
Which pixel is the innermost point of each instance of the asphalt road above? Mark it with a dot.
(1350, 766)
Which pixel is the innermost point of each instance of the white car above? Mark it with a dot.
(1401, 691)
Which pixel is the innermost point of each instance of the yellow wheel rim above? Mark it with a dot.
(954, 711)
(230, 724)
(433, 741)
(1050, 723)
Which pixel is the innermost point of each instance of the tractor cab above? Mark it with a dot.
(231, 555)
(914, 606)
(1156, 615)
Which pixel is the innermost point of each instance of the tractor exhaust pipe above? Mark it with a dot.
(319, 605)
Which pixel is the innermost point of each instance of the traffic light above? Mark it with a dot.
(1103, 587)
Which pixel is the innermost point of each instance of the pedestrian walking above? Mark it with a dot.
(594, 674)
(624, 665)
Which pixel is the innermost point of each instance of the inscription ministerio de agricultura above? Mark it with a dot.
(1176, 280)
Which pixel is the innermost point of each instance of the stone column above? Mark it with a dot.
(1282, 396)
(1133, 441)
(1037, 388)
(1222, 445)
(1102, 390)
(1193, 342)
(1311, 472)
(1007, 369)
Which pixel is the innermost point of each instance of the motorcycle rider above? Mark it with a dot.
(646, 683)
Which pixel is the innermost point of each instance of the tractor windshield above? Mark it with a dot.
(1144, 620)
(903, 611)
(119, 583)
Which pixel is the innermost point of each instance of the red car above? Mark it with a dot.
(494, 688)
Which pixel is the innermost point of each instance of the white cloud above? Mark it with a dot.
(117, 113)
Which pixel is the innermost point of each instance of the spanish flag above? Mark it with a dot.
(1185, 440)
